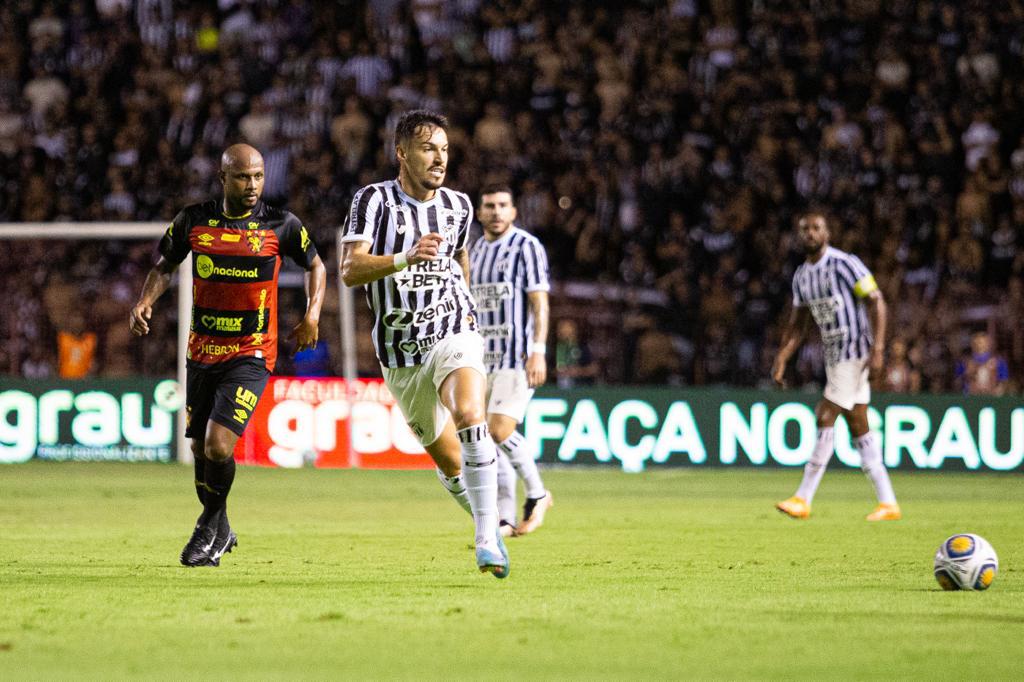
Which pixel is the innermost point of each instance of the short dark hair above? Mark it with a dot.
(814, 213)
(411, 121)
(494, 188)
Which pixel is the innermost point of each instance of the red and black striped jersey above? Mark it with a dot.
(235, 264)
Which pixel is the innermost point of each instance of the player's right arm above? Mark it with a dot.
(173, 248)
(359, 266)
(157, 282)
(792, 338)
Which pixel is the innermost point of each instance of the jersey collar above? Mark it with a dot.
(508, 234)
(237, 217)
(822, 261)
(416, 202)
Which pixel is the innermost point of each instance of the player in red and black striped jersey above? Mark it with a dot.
(237, 245)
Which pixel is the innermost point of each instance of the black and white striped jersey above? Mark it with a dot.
(502, 273)
(834, 289)
(429, 301)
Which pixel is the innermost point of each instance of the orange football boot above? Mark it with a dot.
(795, 507)
(885, 512)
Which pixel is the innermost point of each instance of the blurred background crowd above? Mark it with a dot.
(659, 149)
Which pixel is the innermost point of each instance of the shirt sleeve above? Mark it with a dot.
(535, 261)
(296, 242)
(174, 245)
(863, 281)
(798, 297)
(462, 238)
(361, 225)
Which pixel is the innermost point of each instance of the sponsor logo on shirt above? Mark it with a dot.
(218, 349)
(496, 331)
(421, 345)
(489, 296)
(424, 276)
(222, 324)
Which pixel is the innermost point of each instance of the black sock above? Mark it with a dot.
(200, 464)
(219, 477)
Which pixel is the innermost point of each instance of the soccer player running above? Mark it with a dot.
(405, 242)
(509, 275)
(237, 243)
(841, 295)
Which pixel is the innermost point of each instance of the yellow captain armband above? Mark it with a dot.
(864, 286)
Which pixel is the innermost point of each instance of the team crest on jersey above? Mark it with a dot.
(255, 240)
(448, 221)
(503, 265)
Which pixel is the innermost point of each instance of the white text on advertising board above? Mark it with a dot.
(785, 434)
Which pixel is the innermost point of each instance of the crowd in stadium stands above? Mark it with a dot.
(659, 148)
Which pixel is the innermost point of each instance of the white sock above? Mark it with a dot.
(506, 491)
(480, 471)
(456, 487)
(872, 464)
(522, 458)
(815, 467)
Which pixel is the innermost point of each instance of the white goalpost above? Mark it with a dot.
(118, 231)
(71, 231)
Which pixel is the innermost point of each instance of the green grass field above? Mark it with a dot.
(359, 574)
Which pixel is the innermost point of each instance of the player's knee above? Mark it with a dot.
(218, 450)
(468, 414)
(499, 428)
(198, 449)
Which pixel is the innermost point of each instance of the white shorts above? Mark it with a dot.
(508, 393)
(416, 388)
(847, 383)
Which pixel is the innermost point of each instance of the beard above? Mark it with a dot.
(430, 182)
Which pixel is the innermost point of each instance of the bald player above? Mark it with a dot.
(238, 243)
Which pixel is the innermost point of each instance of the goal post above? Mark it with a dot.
(123, 231)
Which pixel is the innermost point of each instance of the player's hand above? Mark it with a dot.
(779, 372)
(536, 370)
(139, 319)
(876, 364)
(305, 333)
(425, 249)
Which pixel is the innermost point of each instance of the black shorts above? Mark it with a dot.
(226, 392)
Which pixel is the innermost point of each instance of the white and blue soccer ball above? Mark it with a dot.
(966, 561)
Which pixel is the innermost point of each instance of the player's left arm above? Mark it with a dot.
(879, 315)
(461, 256)
(302, 250)
(461, 245)
(307, 332)
(536, 360)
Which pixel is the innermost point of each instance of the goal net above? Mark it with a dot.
(82, 280)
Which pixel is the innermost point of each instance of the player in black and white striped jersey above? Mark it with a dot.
(509, 274)
(406, 243)
(836, 290)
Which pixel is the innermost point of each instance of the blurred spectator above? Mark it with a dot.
(76, 349)
(900, 374)
(37, 365)
(574, 364)
(982, 372)
(664, 146)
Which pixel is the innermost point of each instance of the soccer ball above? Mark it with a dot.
(966, 561)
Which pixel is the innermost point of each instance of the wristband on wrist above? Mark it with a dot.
(401, 261)
(538, 348)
